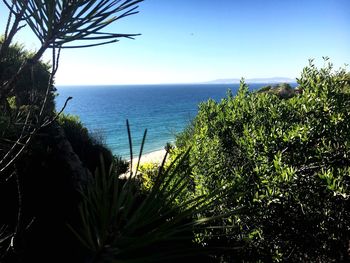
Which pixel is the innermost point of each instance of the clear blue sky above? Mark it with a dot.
(202, 40)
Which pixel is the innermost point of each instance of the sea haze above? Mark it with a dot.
(163, 110)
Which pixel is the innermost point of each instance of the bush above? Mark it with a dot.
(23, 102)
(148, 174)
(87, 147)
(30, 88)
(289, 160)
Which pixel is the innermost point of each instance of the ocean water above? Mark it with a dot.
(163, 110)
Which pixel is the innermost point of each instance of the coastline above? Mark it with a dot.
(154, 157)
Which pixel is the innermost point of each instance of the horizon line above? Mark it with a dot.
(210, 82)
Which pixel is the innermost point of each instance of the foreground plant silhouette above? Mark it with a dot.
(32, 143)
(120, 222)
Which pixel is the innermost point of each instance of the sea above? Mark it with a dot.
(164, 110)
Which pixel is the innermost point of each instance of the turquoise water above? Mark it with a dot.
(163, 110)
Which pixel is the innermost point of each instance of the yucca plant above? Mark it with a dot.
(57, 22)
(119, 223)
(64, 24)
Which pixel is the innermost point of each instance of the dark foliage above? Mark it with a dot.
(48, 202)
(119, 222)
(87, 147)
(30, 86)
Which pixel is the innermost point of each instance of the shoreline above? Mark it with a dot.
(154, 157)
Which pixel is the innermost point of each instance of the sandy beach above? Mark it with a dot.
(154, 157)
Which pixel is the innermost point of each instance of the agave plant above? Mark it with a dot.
(120, 223)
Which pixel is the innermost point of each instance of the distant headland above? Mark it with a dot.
(252, 80)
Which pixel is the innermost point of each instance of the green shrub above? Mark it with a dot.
(88, 147)
(74, 129)
(289, 160)
(30, 88)
(148, 173)
(23, 102)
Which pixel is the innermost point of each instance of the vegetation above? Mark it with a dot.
(31, 86)
(288, 156)
(283, 90)
(121, 222)
(86, 146)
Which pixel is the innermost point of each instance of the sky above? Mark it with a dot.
(189, 41)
